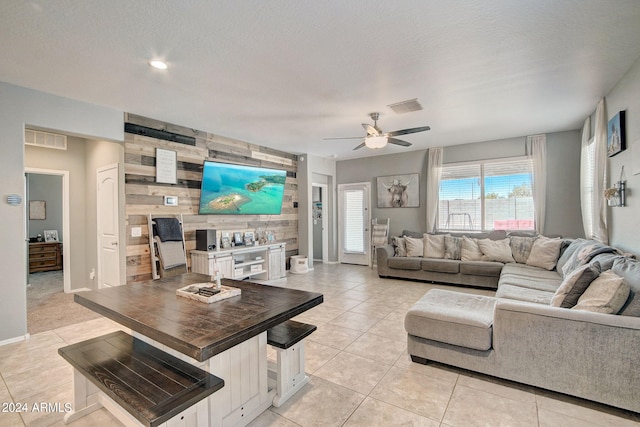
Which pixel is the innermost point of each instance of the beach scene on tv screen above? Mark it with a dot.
(236, 189)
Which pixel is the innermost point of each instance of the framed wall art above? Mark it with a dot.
(37, 209)
(616, 135)
(398, 191)
(50, 235)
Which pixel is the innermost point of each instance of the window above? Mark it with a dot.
(487, 195)
(587, 180)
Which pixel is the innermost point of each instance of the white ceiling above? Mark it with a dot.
(285, 74)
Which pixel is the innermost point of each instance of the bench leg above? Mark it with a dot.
(290, 375)
(85, 398)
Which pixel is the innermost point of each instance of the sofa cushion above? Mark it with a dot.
(452, 247)
(496, 250)
(574, 284)
(606, 294)
(404, 263)
(470, 250)
(521, 247)
(520, 293)
(481, 268)
(441, 265)
(629, 270)
(453, 318)
(544, 253)
(530, 277)
(415, 247)
(433, 245)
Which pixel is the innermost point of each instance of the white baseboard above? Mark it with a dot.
(16, 339)
(73, 291)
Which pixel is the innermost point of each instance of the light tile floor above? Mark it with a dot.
(360, 373)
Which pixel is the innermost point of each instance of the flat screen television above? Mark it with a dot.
(230, 189)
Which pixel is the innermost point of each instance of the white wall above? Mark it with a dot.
(19, 107)
(624, 222)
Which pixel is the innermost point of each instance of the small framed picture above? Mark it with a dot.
(616, 135)
(249, 238)
(225, 241)
(237, 238)
(50, 235)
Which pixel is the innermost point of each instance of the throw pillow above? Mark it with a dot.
(433, 245)
(496, 250)
(399, 246)
(521, 248)
(470, 250)
(573, 286)
(544, 252)
(452, 247)
(415, 247)
(606, 294)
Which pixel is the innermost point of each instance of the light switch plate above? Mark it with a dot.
(136, 231)
(170, 200)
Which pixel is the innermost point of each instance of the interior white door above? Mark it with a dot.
(108, 227)
(354, 219)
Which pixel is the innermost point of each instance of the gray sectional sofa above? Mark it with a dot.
(483, 274)
(542, 328)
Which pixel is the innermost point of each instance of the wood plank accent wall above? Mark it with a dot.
(144, 196)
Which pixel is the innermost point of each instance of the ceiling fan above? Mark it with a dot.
(375, 138)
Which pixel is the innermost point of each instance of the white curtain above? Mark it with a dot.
(434, 173)
(538, 144)
(600, 176)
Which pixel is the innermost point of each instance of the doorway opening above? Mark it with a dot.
(320, 215)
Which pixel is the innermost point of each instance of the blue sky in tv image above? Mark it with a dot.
(231, 189)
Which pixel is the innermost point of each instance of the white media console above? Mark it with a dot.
(260, 262)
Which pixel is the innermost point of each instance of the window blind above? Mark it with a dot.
(354, 220)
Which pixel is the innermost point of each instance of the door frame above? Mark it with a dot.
(66, 224)
(324, 189)
(367, 221)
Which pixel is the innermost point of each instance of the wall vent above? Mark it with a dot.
(406, 106)
(159, 134)
(45, 139)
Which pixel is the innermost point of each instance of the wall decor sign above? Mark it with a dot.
(616, 134)
(398, 191)
(166, 166)
(37, 209)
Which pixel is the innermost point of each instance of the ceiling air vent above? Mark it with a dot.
(45, 139)
(406, 106)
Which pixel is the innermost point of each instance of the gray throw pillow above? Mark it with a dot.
(606, 294)
(544, 253)
(452, 247)
(399, 246)
(521, 247)
(574, 285)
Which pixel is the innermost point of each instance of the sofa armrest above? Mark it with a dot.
(587, 317)
(383, 253)
(568, 350)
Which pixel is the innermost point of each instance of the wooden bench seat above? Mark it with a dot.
(288, 372)
(151, 385)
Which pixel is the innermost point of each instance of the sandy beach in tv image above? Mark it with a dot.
(237, 189)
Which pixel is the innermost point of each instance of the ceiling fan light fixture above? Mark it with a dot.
(158, 64)
(375, 142)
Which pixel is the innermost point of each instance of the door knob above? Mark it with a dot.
(114, 243)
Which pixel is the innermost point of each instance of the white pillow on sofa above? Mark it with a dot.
(606, 294)
(415, 247)
(496, 250)
(470, 250)
(545, 253)
(433, 245)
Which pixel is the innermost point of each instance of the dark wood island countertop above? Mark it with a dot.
(194, 328)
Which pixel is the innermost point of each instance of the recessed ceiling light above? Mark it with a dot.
(160, 65)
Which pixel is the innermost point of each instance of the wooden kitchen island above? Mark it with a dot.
(227, 338)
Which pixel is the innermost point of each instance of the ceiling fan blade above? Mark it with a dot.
(408, 131)
(359, 146)
(370, 129)
(344, 137)
(398, 142)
